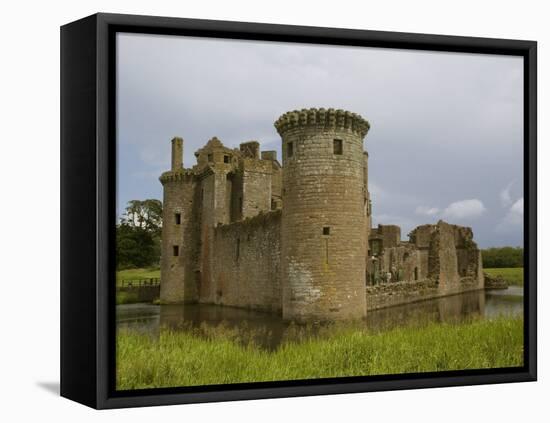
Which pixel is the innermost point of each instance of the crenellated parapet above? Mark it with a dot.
(183, 175)
(336, 119)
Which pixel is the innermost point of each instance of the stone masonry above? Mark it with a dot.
(323, 228)
(240, 229)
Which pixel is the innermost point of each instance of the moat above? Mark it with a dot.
(270, 330)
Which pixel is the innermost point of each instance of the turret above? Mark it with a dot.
(323, 228)
(178, 281)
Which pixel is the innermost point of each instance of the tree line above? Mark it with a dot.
(502, 257)
(138, 234)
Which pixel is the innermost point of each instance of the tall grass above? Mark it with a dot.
(512, 275)
(186, 358)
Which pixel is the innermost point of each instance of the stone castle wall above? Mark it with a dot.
(241, 230)
(246, 271)
(443, 253)
(398, 293)
(323, 228)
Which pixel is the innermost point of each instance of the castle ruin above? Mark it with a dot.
(240, 229)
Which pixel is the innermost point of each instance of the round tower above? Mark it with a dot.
(176, 265)
(323, 228)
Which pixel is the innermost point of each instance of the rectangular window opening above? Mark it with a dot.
(210, 157)
(226, 159)
(290, 149)
(178, 218)
(176, 250)
(337, 146)
(326, 230)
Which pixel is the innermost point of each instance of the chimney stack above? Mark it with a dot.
(177, 154)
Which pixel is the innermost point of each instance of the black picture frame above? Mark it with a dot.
(88, 208)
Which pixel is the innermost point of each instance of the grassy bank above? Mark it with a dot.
(133, 274)
(512, 275)
(126, 298)
(185, 359)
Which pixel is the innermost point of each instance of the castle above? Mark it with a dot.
(241, 229)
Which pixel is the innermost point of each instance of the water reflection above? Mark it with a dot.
(270, 330)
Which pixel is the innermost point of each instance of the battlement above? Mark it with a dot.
(269, 155)
(183, 175)
(336, 119)
(250, 149)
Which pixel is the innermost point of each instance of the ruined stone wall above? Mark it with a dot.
(421, 236)
(404, 262)
(323, 222)
(443, 252)
(469, 261)
(466, 262)
(398, 293)
(395, 293)
(443, 263)
(423, 261)
(452, 254)
(401, 262)
(389, 295)
(246, 269)
(390, 235)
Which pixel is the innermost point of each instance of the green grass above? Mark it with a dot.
(133, 274)
(512, 275)
(126, 297)
(189, 358)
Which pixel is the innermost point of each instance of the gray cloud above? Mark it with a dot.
(513, 219)
(465, 209)
(427, 211)
(505, 196)
(444, 126)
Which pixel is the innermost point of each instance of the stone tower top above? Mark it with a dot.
(177, 154)
(327, 118)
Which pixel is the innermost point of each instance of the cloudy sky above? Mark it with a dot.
(446, 128)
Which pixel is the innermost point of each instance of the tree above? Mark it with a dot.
(144, 214)
(138, 235)
(135, 247)
(502, 257)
